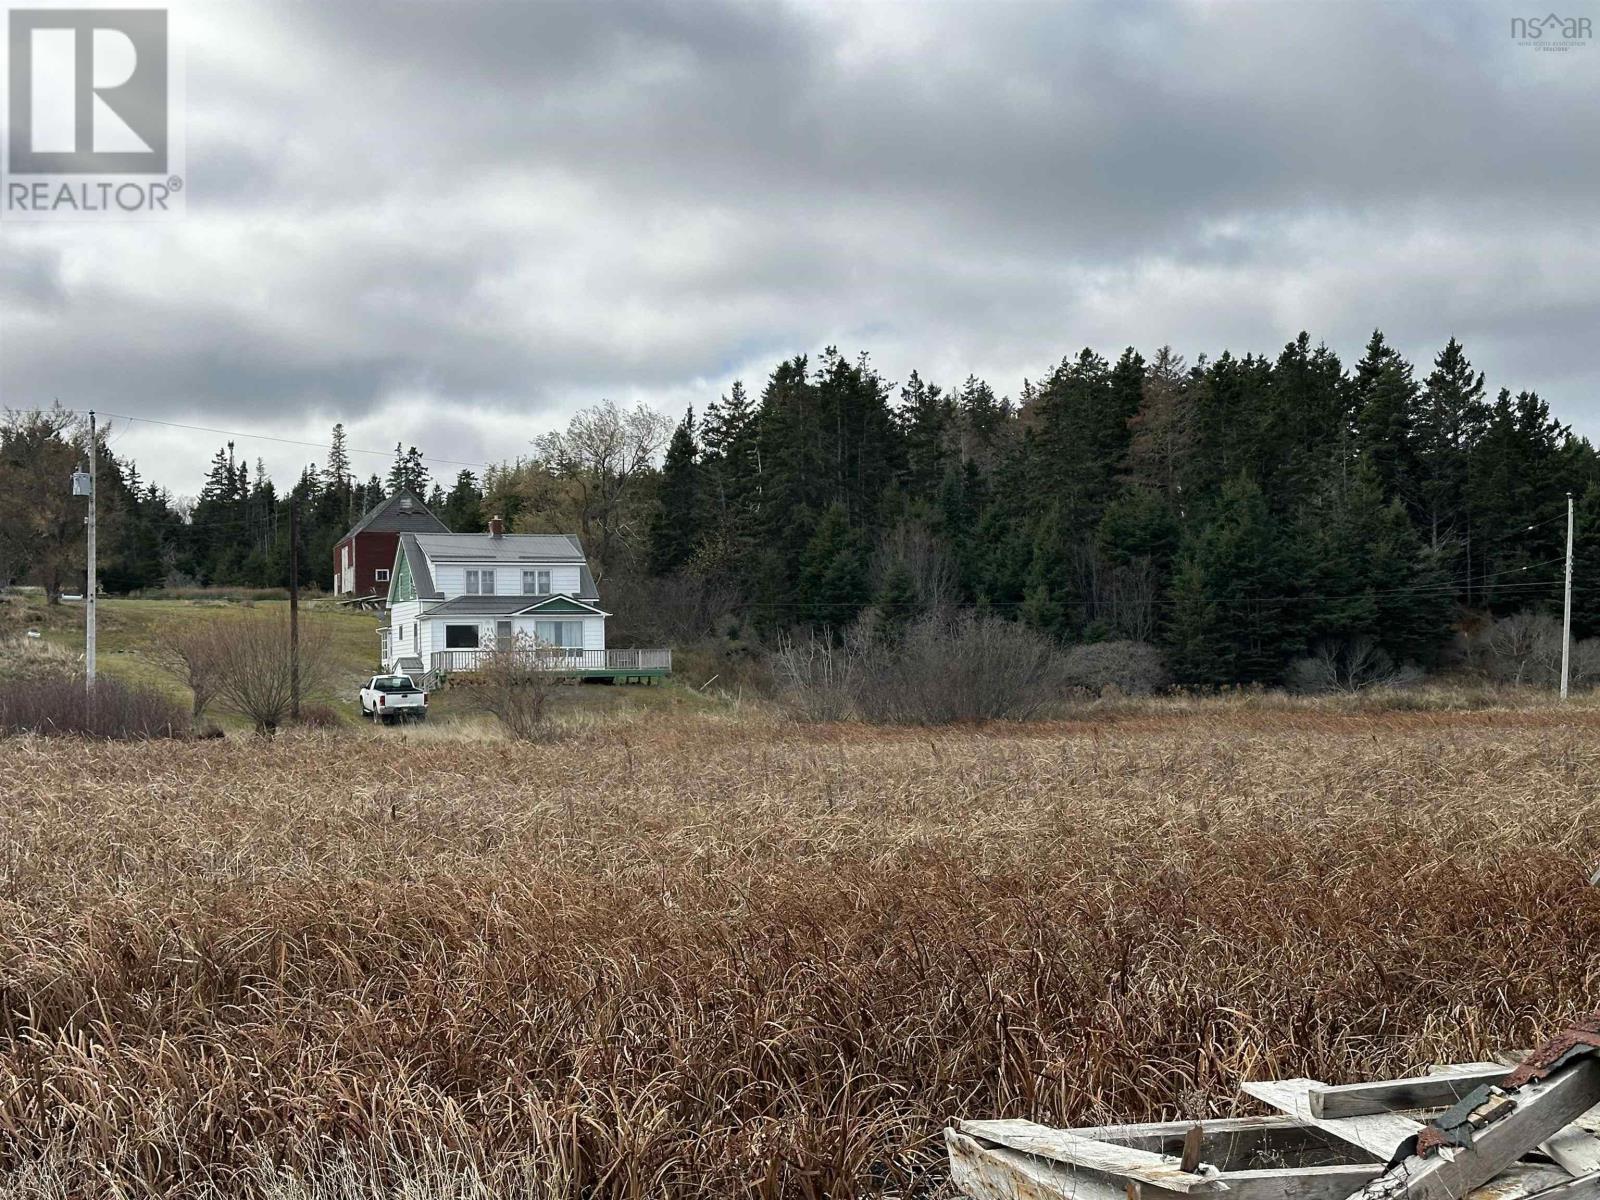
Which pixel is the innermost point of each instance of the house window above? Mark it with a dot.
(381, 575)
(536, 583)
(566, 634)
(480, 583)
(460, 637)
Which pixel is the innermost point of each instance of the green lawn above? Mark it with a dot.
(130, 629)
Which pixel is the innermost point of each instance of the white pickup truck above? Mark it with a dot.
(390, 698)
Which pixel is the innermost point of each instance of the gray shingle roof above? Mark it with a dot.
(512, 547)
(488, 606)
(421, 576)
(392, 516)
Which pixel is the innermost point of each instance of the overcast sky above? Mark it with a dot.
(453, 223)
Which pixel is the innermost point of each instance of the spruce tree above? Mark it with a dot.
(339, 478)
(896, 603)
(1050, 601)
(1586, 564)
(834, 587)
(462, 510)
(675, 527)
(983, 422)
(927, 425)
(1138, 523)
(1369, 575)
(408, 473)
(1233, 611)
(1451, 418)
(1385, 398)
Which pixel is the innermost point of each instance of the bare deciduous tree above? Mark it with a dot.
(513, 684)
(1351, 665)
(195, 654)
(817, 678)
(256, 677)
(604, 454)
(1525, 648)
(911, 545)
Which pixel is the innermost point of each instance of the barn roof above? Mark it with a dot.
(400, 513)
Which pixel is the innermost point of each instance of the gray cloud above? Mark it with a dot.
(456, 223)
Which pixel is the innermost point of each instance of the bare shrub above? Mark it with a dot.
(961, 668)
(320, 716)
(1348, 666)
(1130, 668)
(817, 678)
(670, 610)
(196, 654)
(256, 678)
(1525, 648)
(55, 705)
(1585, 669)
(513, 684)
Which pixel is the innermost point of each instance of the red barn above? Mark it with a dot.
(364, 556)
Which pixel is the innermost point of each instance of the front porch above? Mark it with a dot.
(614, 666)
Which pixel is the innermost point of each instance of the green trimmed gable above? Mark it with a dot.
(401, 585)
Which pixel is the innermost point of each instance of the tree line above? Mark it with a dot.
(1236, 512)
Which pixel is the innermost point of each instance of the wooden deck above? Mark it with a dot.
(614, 666)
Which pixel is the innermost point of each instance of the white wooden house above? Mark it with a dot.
(453, 597)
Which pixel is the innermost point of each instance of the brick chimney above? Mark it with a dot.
(497, 527)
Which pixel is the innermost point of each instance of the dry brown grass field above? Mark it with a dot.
(706, 955)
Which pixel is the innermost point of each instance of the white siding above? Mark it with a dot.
(402, 619)
(451, 578)
(432, 636)
(404, 611)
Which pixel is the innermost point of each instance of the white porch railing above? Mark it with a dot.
(555, 658)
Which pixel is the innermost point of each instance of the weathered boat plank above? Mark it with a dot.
(1087, 1154)
(1540, 1109)
(1380, 1134)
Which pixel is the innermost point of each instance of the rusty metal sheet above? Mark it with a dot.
(1582, 1037)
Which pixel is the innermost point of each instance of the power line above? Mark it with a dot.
(267, 437)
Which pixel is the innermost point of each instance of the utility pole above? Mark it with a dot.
(93, 585)
(1567, 605)
(294, 607)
